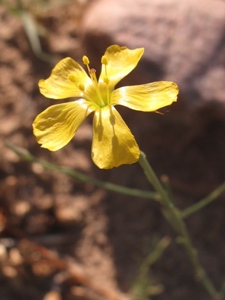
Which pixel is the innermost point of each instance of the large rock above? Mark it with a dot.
(184, 41)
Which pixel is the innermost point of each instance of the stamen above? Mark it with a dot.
(104, 60)
(85, 60)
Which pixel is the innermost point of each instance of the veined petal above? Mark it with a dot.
(146, 97)
(113, 143)
(120, 62)
(68, 79)
(57, 125)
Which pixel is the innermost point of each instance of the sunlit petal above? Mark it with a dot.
(113, 143)
(120, 62)
(57, 125)
(146, 97)
(68, 79)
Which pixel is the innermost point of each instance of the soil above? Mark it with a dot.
(65, 239)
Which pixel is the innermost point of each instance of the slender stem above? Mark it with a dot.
(175, 219)
(25, 155)
(222, 291)
(205, 201)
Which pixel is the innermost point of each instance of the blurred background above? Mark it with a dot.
(63, 239)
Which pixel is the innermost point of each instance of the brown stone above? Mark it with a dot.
(184, 41)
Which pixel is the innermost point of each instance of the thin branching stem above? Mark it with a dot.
(176, 221)
(205, 201)
(26, 156)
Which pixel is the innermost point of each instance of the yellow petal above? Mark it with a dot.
(146, 97)
(113, 143)
(67, 79)
(120, 62)
(57, 125)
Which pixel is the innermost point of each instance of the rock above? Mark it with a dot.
(184, 42)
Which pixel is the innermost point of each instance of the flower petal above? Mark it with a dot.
(67, 79)
(57, 125)
(146, 97)
(113, 143)
(120, 62)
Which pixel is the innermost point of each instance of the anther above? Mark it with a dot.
(85, 60)
(104, 60)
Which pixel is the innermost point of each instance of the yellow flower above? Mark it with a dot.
(113, 143)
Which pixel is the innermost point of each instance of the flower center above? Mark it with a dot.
(101, 89)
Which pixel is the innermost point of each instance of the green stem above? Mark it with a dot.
(222, 291)
(205, 201)
(177, 222)
(25, 155)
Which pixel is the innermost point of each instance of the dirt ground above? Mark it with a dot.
(64, 239)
